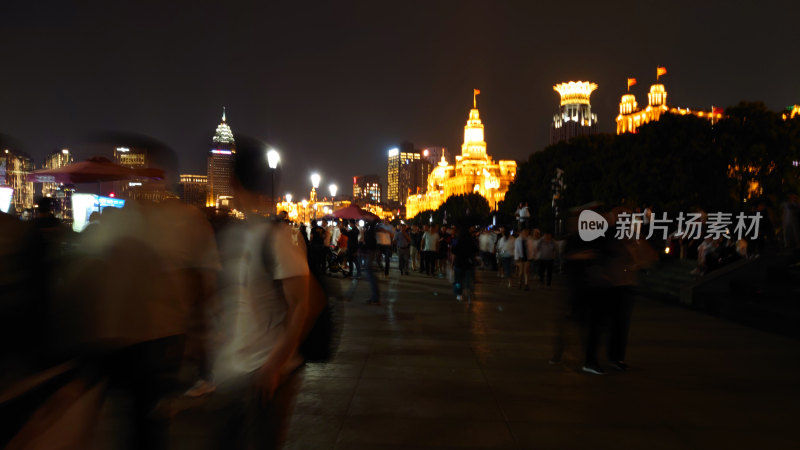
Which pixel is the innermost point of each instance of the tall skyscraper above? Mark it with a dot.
(575, 117)
(366, 189)
(407, 172)
(14, 169)
(220, 162)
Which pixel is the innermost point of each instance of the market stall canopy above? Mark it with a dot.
(353, 212)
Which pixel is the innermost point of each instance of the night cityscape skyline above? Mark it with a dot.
(313, 87)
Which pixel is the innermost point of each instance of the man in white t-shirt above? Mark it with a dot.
(265, 293)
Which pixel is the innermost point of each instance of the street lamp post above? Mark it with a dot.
(273, 158)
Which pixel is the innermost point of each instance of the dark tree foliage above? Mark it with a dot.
(471, 209)
(676, 164)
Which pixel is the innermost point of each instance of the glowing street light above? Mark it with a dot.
(273, 158)
(288, 198)
(333, 188)
(315, 179)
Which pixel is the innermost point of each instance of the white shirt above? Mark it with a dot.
(506, 246)
(254, 308)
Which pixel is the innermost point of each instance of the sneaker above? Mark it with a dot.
(593, 370)
(200, 389)
(619, 365)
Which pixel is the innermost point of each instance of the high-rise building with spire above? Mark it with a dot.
(220, 162)
(575, 117)
(474, 171)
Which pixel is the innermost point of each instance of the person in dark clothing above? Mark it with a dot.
(317, 249)
(464, 250)
(370, 253)
(353, 260)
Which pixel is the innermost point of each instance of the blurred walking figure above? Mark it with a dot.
(369, 255)
(403, 241)
(521, 256)
(547, 257)
(464, 251)
(414, 250)
(266, 289)
(385, 234)
(430, 244)
(353, 258)
(505, 250)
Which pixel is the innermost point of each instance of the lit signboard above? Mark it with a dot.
(83, 205)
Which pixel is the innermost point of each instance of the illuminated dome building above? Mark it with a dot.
(630, 117)
(575, 117)
(220, 163)
(473, 172)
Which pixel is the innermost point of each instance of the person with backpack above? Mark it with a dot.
(269, 301)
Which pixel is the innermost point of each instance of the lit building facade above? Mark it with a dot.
(220, 163)
(194, 189)
(575, 117)
(631, 117)
(14, 170)
(403, 173)
(366, 189)
(55, 160)
(473, 171)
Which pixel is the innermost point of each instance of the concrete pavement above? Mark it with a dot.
(425, 371)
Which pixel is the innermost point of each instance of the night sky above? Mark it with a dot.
(334, 85)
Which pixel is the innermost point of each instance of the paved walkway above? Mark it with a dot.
(425, 371)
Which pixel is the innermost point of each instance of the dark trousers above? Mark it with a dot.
(145, 373)
(246, 423)
(620, 304)
(370, 260)
(594, 316)
(386, 254)
(546, 271)
(430, 262)
(354, 262)
(403, 254)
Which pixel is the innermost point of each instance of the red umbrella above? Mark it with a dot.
(353, 212)
(93, 170)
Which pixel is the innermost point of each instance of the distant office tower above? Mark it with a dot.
(408, 171)
(575, 116)
(194, 189)
(14, 169)
(55, 160)
(139, 188)
(367, 189)
(220, 162)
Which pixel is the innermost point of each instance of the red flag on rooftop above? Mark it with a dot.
(631, 82)
(660, 71)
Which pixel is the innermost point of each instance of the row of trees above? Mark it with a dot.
(676, 164)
